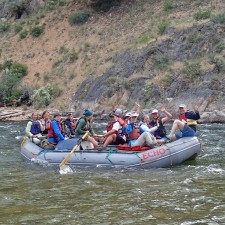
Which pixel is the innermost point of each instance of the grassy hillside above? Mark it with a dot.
(58, 50)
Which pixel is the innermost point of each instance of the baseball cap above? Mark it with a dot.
(128, 114)
(182, 106)
(134, 114)
(118, 112)
(155, 111)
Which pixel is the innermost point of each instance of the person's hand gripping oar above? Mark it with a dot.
(65, 169)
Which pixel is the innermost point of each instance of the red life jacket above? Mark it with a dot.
(110, 126)
(127, 147)
(182, 118)
(135, 133)
(73, 125)
(51, 133)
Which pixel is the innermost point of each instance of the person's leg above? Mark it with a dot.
(93, 141)
(111, 138)
(150, 140)
(36, 141)
(119, 140)
(177, 124)
(145, 138)
(188, 131)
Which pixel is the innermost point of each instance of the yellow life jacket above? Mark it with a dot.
(191, 122)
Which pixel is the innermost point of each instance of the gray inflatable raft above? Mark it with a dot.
(162, 156)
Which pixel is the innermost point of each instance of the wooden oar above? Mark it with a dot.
(63, 163)
(99, 135)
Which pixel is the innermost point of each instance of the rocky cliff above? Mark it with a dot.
(151, 52)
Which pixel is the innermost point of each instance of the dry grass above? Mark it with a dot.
(133, 25)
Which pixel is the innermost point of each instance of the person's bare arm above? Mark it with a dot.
(168, 115)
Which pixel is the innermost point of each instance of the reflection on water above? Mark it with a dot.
(191, 193)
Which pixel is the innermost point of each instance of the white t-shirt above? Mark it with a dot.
(118, 127)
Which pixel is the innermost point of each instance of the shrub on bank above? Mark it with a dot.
(4, 27)
(79, 17)
(202, 14)
(12, 74)
(36, 31)
(23, 34)
(43, 96)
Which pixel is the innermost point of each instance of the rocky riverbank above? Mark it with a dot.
(18, 114)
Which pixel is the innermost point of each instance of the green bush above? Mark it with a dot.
(109, 81)
(53, 4)
(44, 95)
(127, 84)
(105, 5)
(163, 26)
(79, 17)
(20, 69)
(194, 37)
(147, 90)
(167, 6)
(23, 34)
(15, 68)
(4, 26)
(143, 39)
(202, 14)
(17, 27)
(219, 18)
(7, 64)
(219, 63)
(36, 31)
(192, 70)
(11, 77)
(167, 80)
(73, 55)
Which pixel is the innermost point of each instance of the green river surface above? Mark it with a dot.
(191, 193)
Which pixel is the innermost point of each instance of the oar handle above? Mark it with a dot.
(62, 164)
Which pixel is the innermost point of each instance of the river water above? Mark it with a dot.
(191, 193)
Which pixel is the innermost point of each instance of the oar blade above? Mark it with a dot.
(66, 170)
(62, 165)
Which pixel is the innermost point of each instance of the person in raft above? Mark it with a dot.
(160, 133)
(186, 124)
(34, 129)
(54, 129)
(115, 134)
(45, 119)
(83, 125)
(135, 138)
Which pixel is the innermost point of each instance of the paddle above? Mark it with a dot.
(63, 163)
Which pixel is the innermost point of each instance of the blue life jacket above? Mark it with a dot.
(35, 128)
